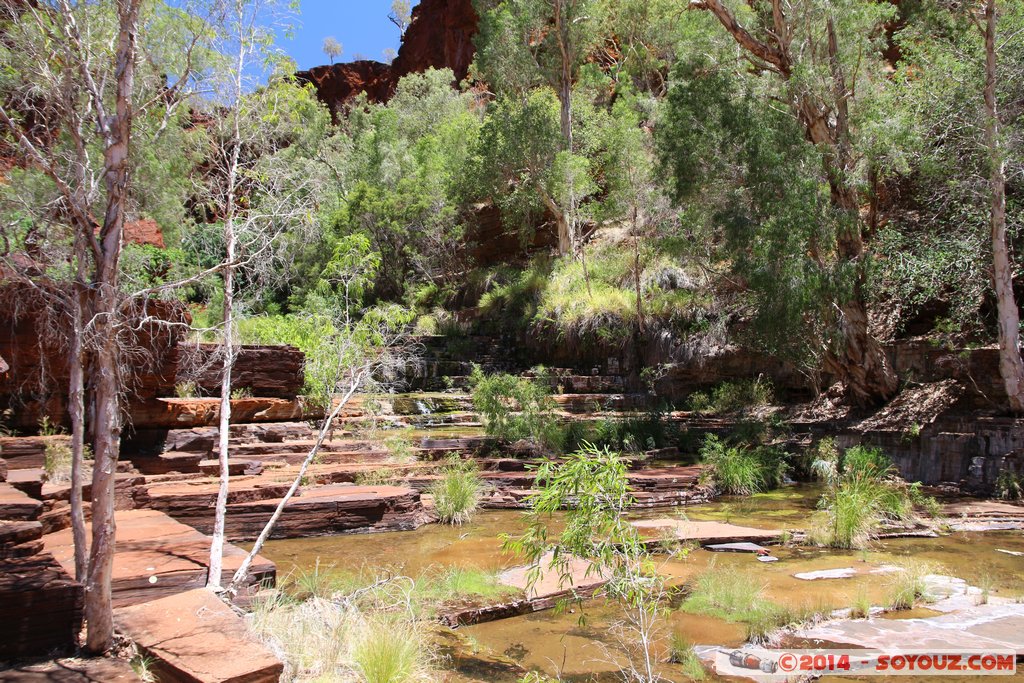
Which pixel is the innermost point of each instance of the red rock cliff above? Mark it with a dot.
(440, 35)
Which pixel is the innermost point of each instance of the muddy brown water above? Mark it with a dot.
(558, 643)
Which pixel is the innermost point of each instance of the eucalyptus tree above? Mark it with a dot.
(251, 189)
(74, 95)
(962, 80)
(821, 62)
(527, 43)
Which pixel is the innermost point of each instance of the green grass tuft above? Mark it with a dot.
(742, 470)
(390, 650)
(457, 495)
(681, 652)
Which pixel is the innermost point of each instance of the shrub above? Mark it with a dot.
(186, 390)
(1009, 485)
(681, 652)
(57, 462)
(908, 585)
(860, 608)
(734, 396)
(365, 630)
(515, 408)
(318, 582)
(399, 448)
(311, 636)
(863, 491)
(741, 470)
(456, 494)
(634, 434)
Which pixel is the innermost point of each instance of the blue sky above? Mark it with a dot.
(361, 26)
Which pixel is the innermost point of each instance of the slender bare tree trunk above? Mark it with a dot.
(224, 426)
(567, 237)
(213, 577)
(76, 410)
(107, 430)
(242, 573)
(1011, 367)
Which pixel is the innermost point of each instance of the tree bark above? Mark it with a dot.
(107, 430)
(1011, 367)
(224, 426)
(76, 410)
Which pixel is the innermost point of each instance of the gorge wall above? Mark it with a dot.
(439, 36)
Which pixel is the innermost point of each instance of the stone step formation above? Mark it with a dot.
(360, 482)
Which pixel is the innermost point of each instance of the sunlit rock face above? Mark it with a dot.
(439, 36)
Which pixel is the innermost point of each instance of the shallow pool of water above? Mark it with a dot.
(556, 643)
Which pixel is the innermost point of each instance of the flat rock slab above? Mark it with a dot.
(983, 508)
(196, 638)
(578, 575)
(16, 505)
(742, 547)
(29, 481)
(156, 556)
(171, 413)
(704, 532)
(40, 607)
(235, 467)
(324, 510)
(844, 573)
(982, 627)
(20, 539)
(93, 670)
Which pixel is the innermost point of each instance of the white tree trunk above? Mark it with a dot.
(213, 575)
(224, 425)
(1011, 367)
(242, 573)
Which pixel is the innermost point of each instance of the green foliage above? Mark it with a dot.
(457, 494)
(634, 434)
(57, 461)
(742, 470)
(593, 486)
(681, 652)
(739, 597)
(908, 586)
(48, 427)
(452, 584)
(863, 491)
(390, 650)
(733, 396)
(1009, 485)
(405, 179)
(515, 408)
(860, 607)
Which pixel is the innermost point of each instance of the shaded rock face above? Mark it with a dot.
(336, 84)
(440, 36)
(33, 336)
